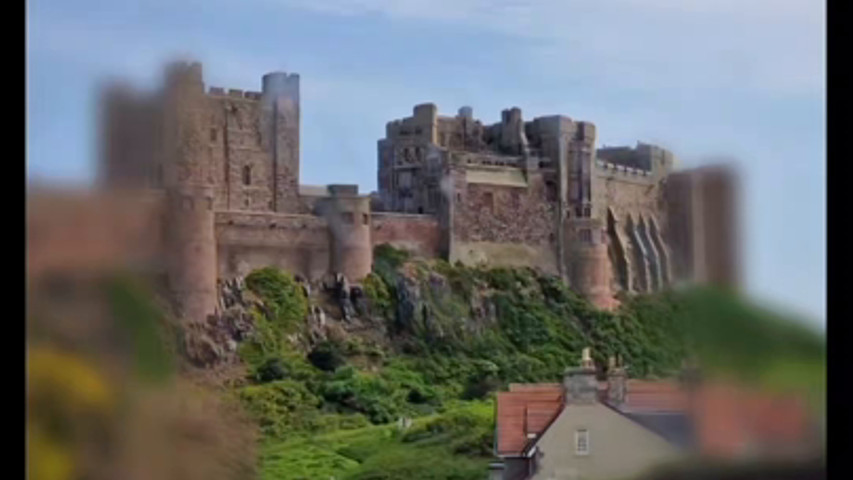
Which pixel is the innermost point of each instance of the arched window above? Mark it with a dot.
(247, 175)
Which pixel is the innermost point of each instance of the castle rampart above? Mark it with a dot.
(191, 250)
(348, 216)
(515, 193)
(251, 240)
(419, 234)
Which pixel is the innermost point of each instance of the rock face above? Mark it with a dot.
(427, 306)
(201, 349)
(215, 341)
(336, 309)
(408, 301)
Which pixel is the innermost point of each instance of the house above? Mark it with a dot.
(620, 428)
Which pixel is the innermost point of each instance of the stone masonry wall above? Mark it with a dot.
(297, 243)
(88, 232)
(242, 163)
(491, 213)
(504, 225)
(419, 234)
(633, 198)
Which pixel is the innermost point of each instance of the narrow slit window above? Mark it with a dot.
(247, 175)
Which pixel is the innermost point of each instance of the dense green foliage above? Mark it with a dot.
(443, 446)
(458, 334)
(284, 309)
(282, 295)
(144, 326)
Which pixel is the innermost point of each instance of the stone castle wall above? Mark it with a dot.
(501, 224)
(81, 232)
(419, 234)
(249, 240)
(527, 194)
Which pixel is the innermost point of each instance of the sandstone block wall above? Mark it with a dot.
(504, 225)
(191, 251)
(419, 234)
(348, 217)
(500, 214)
(296, 243)
(80, 232)
(513, 193)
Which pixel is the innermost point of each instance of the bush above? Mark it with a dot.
(282, 295)
(327, 356)
(465, 431)
(443, 352)
(422, 464)
(369, 394)
(272, 370)
(390, 256)
(379, 296)
(281, 407)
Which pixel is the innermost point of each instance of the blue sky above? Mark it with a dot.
(742, 79)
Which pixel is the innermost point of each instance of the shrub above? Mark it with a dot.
(390, 256)
(378, 296)
(282, 295)
(281, 407)
(369, 394)
(327, 356)
(272, 370)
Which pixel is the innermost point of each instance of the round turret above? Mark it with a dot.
(589, 264)
(349, 229)
(192, 251)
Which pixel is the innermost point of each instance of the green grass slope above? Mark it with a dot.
(455, 335)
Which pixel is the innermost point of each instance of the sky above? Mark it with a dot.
(738, 79)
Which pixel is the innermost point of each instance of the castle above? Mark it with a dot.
(220, 174)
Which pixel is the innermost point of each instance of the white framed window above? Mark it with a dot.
(582, 442)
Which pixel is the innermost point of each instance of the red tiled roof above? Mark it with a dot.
(654, 396)
(529, 409)
(731, 419)
(536, 387)
(727, 417)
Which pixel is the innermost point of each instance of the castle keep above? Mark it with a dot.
(220, 174)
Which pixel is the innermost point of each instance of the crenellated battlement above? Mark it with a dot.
(487, 160)
(234, 93)
(517, 192)
(643, 156)
(624, 170)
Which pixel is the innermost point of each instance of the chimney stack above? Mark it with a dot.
(616, 379)
(580, 384)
